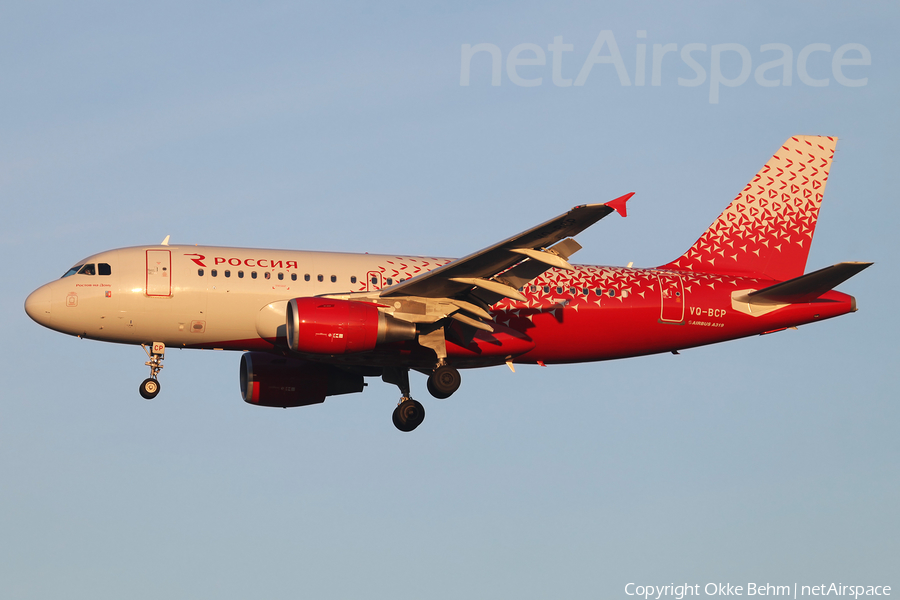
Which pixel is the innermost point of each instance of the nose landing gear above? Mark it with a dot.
(150, 387)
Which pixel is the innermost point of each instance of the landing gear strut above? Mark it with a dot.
(443, 381)
(409, 413)
(150, 387)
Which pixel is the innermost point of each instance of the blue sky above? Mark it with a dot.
(344, 127)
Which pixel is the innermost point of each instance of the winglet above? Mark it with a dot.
(619, 204)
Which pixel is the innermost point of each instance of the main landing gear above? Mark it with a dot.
(443, 381)
(410, 413)
(150, 387)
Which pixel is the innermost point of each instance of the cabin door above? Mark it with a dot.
(159, 273)
(672, 299)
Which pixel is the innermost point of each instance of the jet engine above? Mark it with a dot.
(277, 381)
(329, 326)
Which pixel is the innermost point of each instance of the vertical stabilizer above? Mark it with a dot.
(768, 228)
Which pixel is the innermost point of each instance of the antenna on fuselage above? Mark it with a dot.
(165, 242)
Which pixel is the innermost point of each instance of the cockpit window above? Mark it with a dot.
(72, 271)
(104, 269)
(87, 269)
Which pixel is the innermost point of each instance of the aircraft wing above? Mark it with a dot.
(479, 270)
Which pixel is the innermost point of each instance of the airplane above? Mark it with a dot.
(316, 324)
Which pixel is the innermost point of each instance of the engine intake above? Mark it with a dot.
(328, 326)
(277, 381)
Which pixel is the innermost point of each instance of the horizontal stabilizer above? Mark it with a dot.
(807, 288)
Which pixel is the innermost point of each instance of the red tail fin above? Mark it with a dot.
(768, 228)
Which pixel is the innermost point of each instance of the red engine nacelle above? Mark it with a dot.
(328, 326)
(270, 380)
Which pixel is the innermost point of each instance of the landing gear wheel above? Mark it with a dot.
(149, 388)
(408, 415)
(433, 391)
(443, 382)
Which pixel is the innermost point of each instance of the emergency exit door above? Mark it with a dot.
(159, 273)
(374, 281)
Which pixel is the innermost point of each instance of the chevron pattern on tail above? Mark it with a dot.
(768, 228)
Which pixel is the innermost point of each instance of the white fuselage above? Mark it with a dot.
(204, 296)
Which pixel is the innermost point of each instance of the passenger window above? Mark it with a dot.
(227, 273)
(87, 270)
(374, 281)
(240, 274)
(572, 290)
(321, 278)
(280, 276)
(534, 288)
(559, 289)
(200, 272)
(334, 279)
(252, 274)
(585, 291)
(390, 281)
(293, 277)
(612, 293)
(353, 279)
(104, 269)
(598, 291)
(268, 275)
(306, 277)
(546, 289)
(213, 272)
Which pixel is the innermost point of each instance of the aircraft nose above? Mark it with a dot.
(37, 305)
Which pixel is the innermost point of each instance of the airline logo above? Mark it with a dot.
(253, 263)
